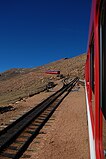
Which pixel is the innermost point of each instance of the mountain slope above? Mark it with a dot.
(16, 84)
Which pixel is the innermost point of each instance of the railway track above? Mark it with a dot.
(15, 138)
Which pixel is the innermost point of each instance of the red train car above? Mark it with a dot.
(95, 77)
(53, 72)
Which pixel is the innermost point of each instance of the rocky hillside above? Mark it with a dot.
(16, 84)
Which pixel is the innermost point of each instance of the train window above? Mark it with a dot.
(103, 58)
(92, 73)
(92, 65)
(103, 68)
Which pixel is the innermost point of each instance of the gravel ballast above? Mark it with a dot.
(65, 135)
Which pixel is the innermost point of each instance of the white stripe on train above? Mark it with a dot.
(91, 140)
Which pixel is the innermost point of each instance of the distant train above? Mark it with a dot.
(53, 72)
(95, 77)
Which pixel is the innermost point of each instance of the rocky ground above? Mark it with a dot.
(14, 111)
(65, 135)
(16, 84)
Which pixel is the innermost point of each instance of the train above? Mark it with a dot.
(95, 79)
(57, 72)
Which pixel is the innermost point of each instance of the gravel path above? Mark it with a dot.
(65, 136)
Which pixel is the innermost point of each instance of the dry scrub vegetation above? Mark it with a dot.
(16, 84)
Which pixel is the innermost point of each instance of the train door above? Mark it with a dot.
(102, 30)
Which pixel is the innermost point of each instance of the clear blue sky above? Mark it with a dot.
(36, 32)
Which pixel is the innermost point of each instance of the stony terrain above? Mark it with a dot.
(65, 135)
(16, 84)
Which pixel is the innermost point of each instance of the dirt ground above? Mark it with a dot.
(20, 107)
(65, 135)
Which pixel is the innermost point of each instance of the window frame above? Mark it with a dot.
(102, 37)
(92, 64)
